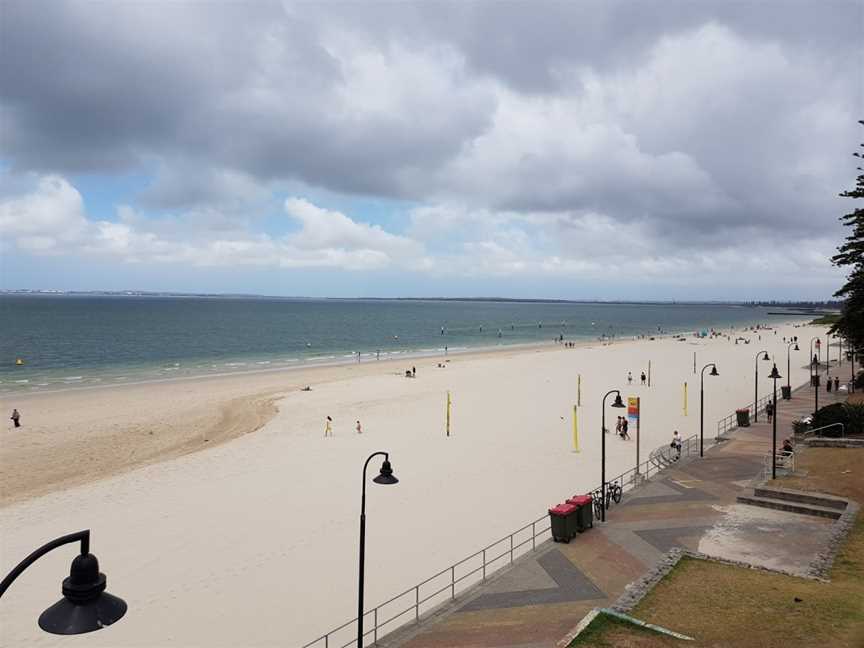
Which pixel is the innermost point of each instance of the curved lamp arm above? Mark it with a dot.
(82, 536)
(710, 364)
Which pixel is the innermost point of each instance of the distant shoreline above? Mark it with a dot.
(506, 300)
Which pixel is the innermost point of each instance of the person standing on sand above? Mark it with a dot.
(643, 378)
(625, 436)
(618, 426)
(413, 372)
(328, 427)
(629, 378)
(16, 418)
(359, 428)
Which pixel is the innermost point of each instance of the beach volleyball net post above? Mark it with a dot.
(575, 428)
(447, 420)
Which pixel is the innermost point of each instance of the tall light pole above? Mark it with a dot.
(788, 365)
(617, 403)
(85, 605)
(814, 371)
(774, 376)
(702, 405)
(386, 477)
(756, 385)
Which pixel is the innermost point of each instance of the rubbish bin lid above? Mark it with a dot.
(562, 509)
(579, 500)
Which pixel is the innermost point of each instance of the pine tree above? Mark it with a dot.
(851, 255)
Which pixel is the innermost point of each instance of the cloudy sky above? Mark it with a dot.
(582, 149)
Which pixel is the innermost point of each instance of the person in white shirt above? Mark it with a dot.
(676, 443)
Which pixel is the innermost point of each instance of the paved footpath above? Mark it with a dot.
(539, 599)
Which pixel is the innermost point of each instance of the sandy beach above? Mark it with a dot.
(224, 518)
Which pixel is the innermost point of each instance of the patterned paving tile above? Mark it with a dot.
(572, 585)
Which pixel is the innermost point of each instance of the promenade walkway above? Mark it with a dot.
(544, 594)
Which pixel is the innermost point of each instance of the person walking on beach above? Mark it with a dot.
(359, 428)
(413, 372)
(625, 436)
(618, 426)
(16, 418)
(643, 378)
(629, 378)
(328, 427)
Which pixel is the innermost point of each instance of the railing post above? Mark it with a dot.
(484, 564)
(533, 537)
(453, 582)
(326, 640)
(511, 548)
(417, 604)
(376, 626)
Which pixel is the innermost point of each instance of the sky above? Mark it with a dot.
(591, 149)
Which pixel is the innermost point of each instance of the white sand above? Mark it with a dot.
(254, 542)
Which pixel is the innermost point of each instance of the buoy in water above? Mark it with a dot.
(19, 362)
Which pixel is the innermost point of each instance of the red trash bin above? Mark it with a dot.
(584, 517)
(562, 521)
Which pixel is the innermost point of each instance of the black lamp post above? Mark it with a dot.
(788, 365)
(385, 476)
(85, 605)
(756, 385)
(774, 376)
(617, 403)
(702, 405)
(814, 371)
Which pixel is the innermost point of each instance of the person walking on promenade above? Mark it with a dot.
(328, 427)
(16, 418)
(769, 410)
(676, 443)
(836, 384)
(625, 436)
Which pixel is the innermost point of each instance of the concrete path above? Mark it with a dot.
(539, 599)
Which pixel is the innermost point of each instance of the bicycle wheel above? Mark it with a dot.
(616, 493)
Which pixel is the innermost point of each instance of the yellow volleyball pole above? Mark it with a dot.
(575, 428)
(685, 398)
(579, 391)
(448, 412)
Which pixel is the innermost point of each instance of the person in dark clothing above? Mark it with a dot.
(16, 418)
(836, 384)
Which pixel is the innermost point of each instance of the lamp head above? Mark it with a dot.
(385, 475)
(85, 605)
(618, 402)
(774, 373)
(765, 357)
(714, 371)
(796, 348)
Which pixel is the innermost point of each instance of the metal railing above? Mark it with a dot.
(414, 602)
(825, 427)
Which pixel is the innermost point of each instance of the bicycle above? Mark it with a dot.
(614, 491)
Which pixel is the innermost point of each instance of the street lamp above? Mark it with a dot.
(702, 404)
(756, 385)
(774, 376)
(814, 371)
(788, 370)
(386, 477)
(617, 403)
(85, 605)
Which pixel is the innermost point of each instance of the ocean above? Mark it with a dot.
(68, 341)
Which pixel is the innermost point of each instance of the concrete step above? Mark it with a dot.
(802, 497)
(791, 507)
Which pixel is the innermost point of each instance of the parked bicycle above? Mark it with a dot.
(614, 491)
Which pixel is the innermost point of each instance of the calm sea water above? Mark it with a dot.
(68, 341)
